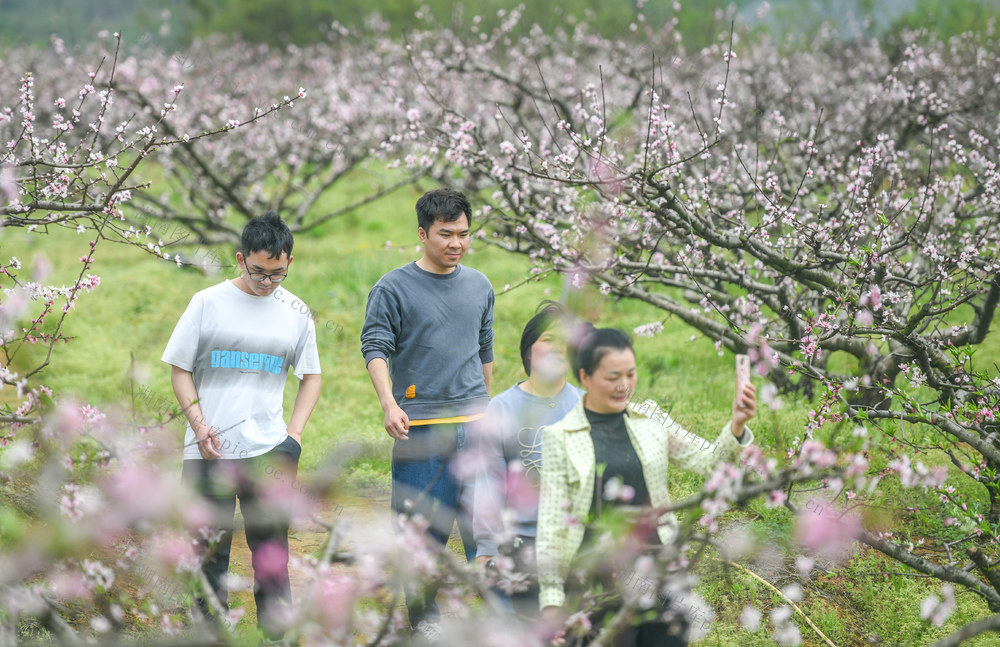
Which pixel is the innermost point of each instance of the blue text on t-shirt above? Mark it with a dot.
(247, 361)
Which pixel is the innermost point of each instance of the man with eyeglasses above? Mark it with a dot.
(231, 353)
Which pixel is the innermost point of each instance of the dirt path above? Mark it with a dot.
(308, 537)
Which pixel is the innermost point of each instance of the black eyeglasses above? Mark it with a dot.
(258, 277)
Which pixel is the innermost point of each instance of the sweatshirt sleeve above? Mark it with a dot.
(382, 325)
(486, 331)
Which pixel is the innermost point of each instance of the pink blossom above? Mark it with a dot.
(334, 598)
(69, 504)
(827, 534)
(814, 454)
(775, 498)
(69, 585)
(98, 575)
(69, 419)
(917, 474)
(939, 610)
(875, 297)
(174, 550)
(649, 330)
(754, 460)
(139, 492)
(608, 177)
(196, 513)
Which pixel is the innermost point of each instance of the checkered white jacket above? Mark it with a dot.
(568, 472)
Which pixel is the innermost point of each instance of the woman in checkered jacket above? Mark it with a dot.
(606, 456)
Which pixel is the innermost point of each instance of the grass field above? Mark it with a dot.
(131, 315)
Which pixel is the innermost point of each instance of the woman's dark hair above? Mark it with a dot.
(549, 313)
(268, 233)
(442, 204)
(595, 346)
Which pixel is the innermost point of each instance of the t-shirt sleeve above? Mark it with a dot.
(182, 348)
(382, 325)
(486, 331)
(307, 353)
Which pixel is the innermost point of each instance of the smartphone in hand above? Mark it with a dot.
(742, 375)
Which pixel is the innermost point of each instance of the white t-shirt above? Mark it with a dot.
(239, 348)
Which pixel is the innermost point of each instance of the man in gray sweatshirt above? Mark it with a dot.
(428, 345)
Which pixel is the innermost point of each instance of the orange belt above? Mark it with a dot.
(441, 421)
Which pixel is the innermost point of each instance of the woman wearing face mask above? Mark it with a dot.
(604, 440)
(510, 452)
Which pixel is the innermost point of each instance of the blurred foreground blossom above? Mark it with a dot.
(750, 618)
(825, 534)
(938, 610)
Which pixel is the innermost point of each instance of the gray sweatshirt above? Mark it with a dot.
(509, 448)
(435, 332)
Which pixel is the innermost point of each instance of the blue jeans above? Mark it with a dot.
(424, 483)
(221, 482)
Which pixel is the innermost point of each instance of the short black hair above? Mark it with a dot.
(268, 233)
(442, 204)
(549, 313)
(595, 346)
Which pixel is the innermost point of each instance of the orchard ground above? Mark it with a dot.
(866, 601)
